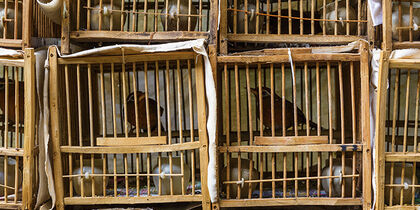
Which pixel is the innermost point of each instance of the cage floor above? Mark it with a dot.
(132, 191)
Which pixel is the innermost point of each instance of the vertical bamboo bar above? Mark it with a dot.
(267, 28)
(407, 101)
(4, 37)
(257, 21)
(283, 101)
(359, 17)
(134, 16)
(312, 17)
(200, 12)
(261, 174)
(296, 170)
(91, 125)
(100, 14)
(416, 123)
(15, 22)
(343, 136)
(227, 127)
(353, 112)
(124, 97)
(308, 128)
(294, 101)
(399, 22)
(69, 127)
(260, 100)
(122, 14)
(146, 93)
(324, 14)
(289, 7)
(89, 10)
(248, 83)
(145, 21)
(348, 17)
(301, 16)
(410, 32)
(336, 18)
(330, 125)
(158, 98)
(235, 16)
(284, 174)
(273, 126)
(279, 18)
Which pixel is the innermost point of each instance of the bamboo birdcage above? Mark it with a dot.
(283, 165)
(293, 22)
(396, 141)
(400, 24)
(22, 20)
(90, 127)
(139, 21)
(18, 141)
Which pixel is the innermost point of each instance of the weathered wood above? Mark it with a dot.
(402, 157)
(122, 36)
(132, 141)
(294, 148)
(130, 149)
(56, 133)
(380, 130)
(290, 140)
(290, 202)
(29, 141)
(132, 200)
(405, 63)
(285, 58)
(65, 28)
(365, 117)
(288, 38)
(26, 23)
(128, 58)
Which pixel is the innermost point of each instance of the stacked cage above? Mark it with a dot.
(20, 21)
(294, 130)
(138, 21)
(18, 177)
(397, 131)
(289, 22)
(129, 129)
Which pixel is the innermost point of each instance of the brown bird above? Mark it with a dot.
(278, 113)
(11, 110)
(141, 111)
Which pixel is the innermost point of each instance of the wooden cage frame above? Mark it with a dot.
(299, 55)
(28, 151)
(313, 39)
(388, 43)
(381, 155)
(58, 110)
(123, 36)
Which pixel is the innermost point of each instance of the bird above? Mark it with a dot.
(397, 178)
(240, 17)
(142, 112)
(11, 172)
(405, 10)
(109, 11)
(176, 180)
(337, 182)
(11, 109)
(5, 20)
(330, 14)
(173, 17)
(295, 23)
(245, 175)
(278, 113)
(87, 178)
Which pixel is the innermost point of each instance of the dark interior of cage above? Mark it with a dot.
(328, 95)
(96, 97)
(141, 16)
(401, 133)
(304, 17)
(11, 133)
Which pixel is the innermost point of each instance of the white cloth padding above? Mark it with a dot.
(52, 9)
(199, 47)
(9, 53)
(375, 7)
